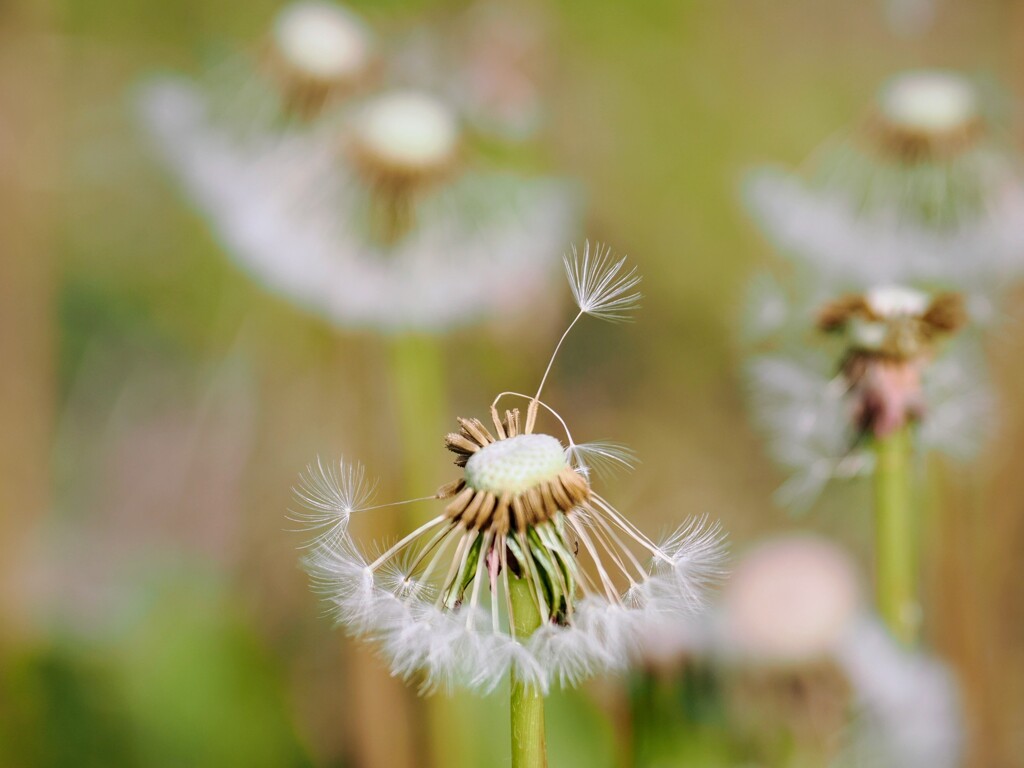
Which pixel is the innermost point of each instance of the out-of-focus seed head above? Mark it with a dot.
(791, 600)
(318, 51)
(926, 115)
(404, 138)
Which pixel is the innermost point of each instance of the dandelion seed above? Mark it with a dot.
(601, 457)
(442, 602)
(600, 284)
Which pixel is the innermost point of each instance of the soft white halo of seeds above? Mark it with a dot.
(516, 464)
(896, 301)
(410, 129)
(928, 101)
(322, 40)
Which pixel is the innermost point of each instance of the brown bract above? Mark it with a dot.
(484, 510)
(885, 380)
(914, 145)
(907, 335)
(306, 95)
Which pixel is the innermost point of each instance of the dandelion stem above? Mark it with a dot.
(529, 749)
(896, 536)
(417, 373)
(418, 389)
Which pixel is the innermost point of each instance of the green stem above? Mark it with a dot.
(896, 536)
(417, 372)
(529, 749)
(418, 389)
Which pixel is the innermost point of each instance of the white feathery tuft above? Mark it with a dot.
(600, 283)
(330, 494)
(694, 561)
(601, 457)
(444, 649)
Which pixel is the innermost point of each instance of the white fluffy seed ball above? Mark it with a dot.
(516, 464)
(929, 101)
(791, 599)
(322, 40)
(407, 129)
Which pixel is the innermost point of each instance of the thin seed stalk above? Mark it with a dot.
(896, 536)
(529, 748)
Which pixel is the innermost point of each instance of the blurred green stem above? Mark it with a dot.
(529, 749)
(417, 372)
(896, 536)
(418, 388)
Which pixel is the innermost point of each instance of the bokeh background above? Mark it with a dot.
(156, 406)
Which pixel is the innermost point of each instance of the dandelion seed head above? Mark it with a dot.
(791, 599)
(896, 301)
(293, 214)
(930, 101)
(520, 522)
(406, 132)
(516, 464)
(322, 40)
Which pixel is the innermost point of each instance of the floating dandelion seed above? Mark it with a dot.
(440, 601)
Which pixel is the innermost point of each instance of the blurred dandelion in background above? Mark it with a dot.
(919, 200)
(792, 667)
(794, 609)
(922, 191)
(529, 570)
(391, 185)
(315, 56)
(377, 214)
(910, 18)
(879, 361)
(492, 60)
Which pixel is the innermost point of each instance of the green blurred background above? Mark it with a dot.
(156, 407)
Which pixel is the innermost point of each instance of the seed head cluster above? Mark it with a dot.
(439, 602)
